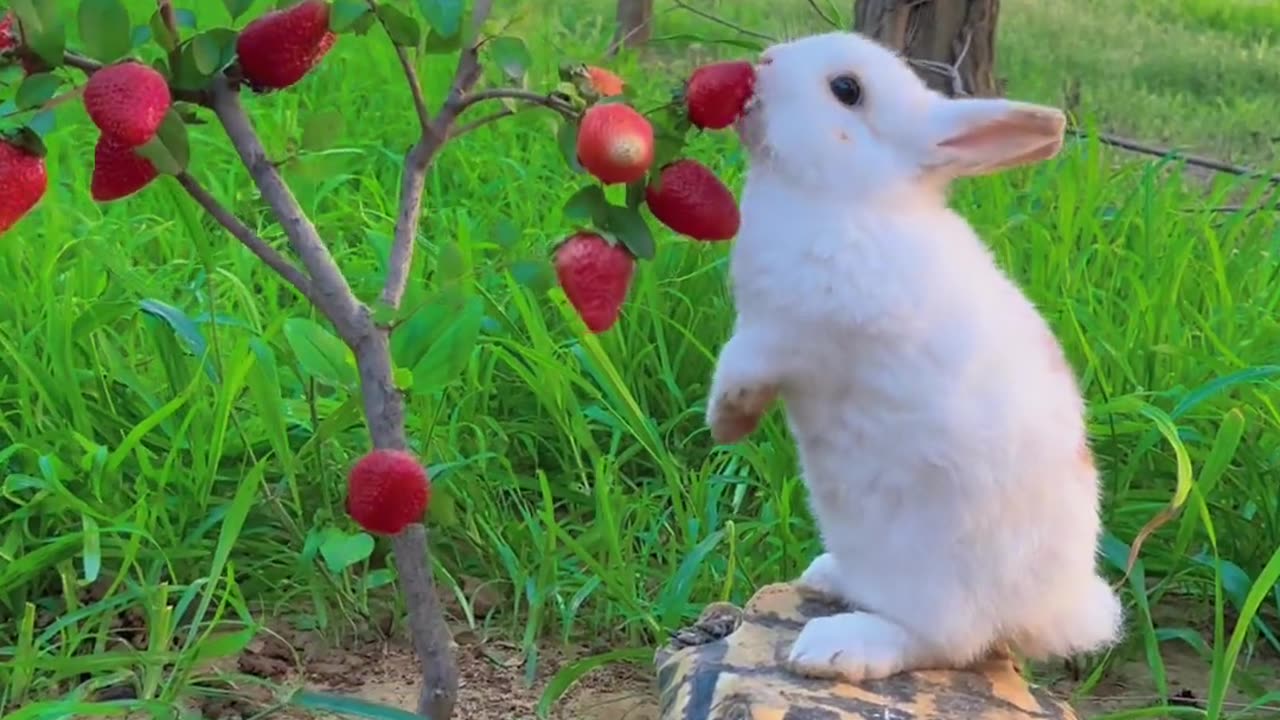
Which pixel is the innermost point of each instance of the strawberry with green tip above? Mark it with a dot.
(595, 275)
(279, 48)
(23, 181)
(615, 143)
(716, 93)
(118, 171)
(127, 101)
(386, 491)
(8, 34)
(689, 198)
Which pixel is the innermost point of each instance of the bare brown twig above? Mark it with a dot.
(1194, 160)
(418, 160)
(460, 130)
(415, 88)
(332, 295)
(287, 270)
(721, 21)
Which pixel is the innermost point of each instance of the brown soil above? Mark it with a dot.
(492, 684)
(493, 687)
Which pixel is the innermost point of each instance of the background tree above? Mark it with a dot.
(951, 42)
(634, 24)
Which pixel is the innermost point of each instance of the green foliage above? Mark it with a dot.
(104, 29)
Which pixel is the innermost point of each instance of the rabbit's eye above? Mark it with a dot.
(847, 90)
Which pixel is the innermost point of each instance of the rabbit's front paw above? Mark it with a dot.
(735, 412)
(821, 580)
(851, 647)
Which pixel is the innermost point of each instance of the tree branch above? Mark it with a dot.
(414, 177)
(478, 123)
(1195, 160)
(525, 96)
(331, 293)
(721, 21)
(247, 237)
(415, 88)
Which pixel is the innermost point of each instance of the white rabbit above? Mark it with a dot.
(939, 426)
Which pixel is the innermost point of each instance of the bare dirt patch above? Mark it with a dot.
(492, 682)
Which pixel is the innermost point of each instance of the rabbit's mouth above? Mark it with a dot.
(750, 125)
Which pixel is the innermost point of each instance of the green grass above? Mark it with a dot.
(167, 458)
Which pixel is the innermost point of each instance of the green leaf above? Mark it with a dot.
(43, 122)
(444, 16)
(587, 205)
(438, 44)
(343, 14)
(43, 28)
(451, 350)
(512, 56)
(365, 23)
(667, 146)
(213, 50)
(567, 139)
(321, 355)
(450, 263)
(630, 227)
(104, 29)
(161, 33)
(323, 129)
(36, 90)
(345, 705)
(223, 645)
(184, 18)
(199, 58)
(437, 339)
(403, 29)
(91, 548)
(141, 35)
(635, 194)
(536, 274)
(341, 550)
(170, 149)
(236, 8)
(183, 327)
(505, 233)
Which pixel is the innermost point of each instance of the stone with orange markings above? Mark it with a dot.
(730, 665)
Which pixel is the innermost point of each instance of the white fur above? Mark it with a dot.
(939, 428)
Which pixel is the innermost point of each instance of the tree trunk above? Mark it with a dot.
(634, 24)
(433, 643)
(951, 43)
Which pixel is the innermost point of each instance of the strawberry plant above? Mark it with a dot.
(143, 84)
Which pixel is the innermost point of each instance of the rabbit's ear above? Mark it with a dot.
(979, 136)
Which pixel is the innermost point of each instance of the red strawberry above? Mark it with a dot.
(595, 275)
(23, 181)
(387, 490)
(615, 143)
(118, 171)
(605, 82)
(716, 93)
(687, 197)
(127, 101)
(8, 33)
(279, 48)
